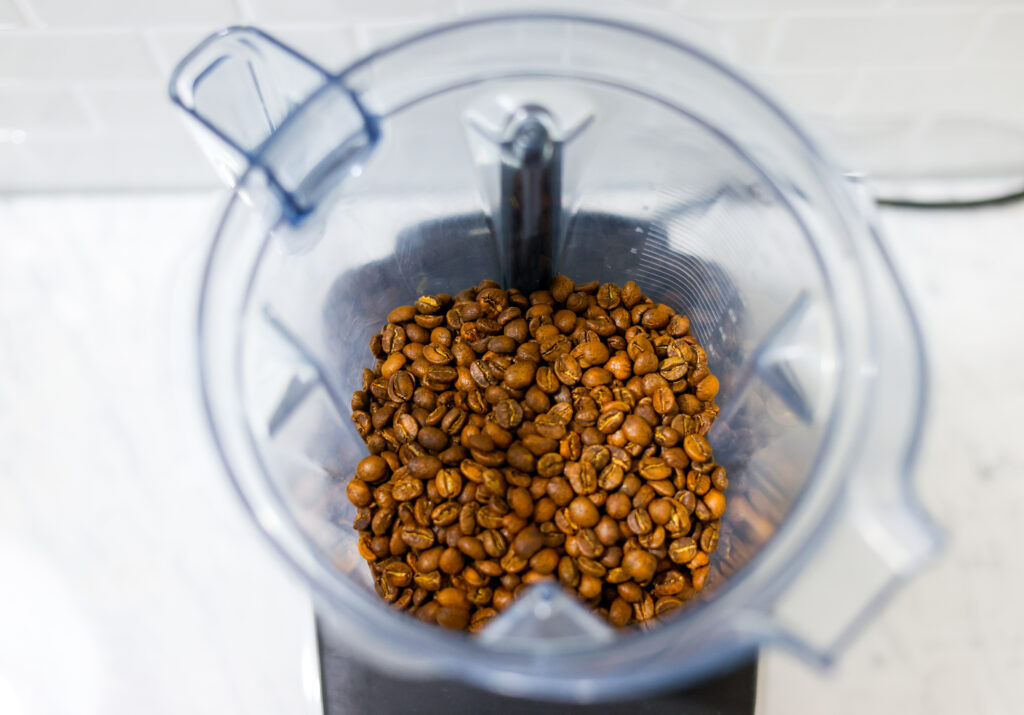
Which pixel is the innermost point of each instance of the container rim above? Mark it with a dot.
(499, 670)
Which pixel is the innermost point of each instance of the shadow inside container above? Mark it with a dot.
(437, 256)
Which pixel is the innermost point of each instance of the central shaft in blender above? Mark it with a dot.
(530, 201)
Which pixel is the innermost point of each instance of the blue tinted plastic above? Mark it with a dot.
(676, 173)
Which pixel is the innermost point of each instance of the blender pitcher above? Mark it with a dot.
(514, 148)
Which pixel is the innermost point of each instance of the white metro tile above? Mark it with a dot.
(266, 11)
(809, 91)
(17, 168)
(870, 39)
(164, 160)
(10, 16)
(606, 8)
(714, 7)
(120, 13)
(917, 4)
(1002, 38)
(60, 56)
(866, 144)
(171, 45)
(961, 92)
(982, 146)
(332, 46)
(34, 109)
(745, 38)
(373, 35)
(132, 109)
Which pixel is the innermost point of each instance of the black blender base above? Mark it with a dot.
(351, 688)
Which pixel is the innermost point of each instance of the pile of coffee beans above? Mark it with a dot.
(522, 438)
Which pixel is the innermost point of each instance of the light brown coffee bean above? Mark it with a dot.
(640, 565)
(697, 447)
(560, 434)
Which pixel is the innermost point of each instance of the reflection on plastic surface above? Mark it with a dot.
(684, 179)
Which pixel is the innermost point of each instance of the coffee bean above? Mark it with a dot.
(709, 540)
(371, 469)
(516, 438)
(637, 430)
(527, 542)
(673, 368)
(418, 537)
(508, 414)
(424, 467)
(590, 586)
(582, 477)
(608, 296)
(588, 544)
(639, 521)
(583, 512)
(392, 338)
(697, 447)
(620, 613)
(358, 493)
(494, 543)
(640, 565)
(644, 610)
(407, 489)
(550, 465)
(568, 370)
(682, 550)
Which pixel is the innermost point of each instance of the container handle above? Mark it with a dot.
(238, 86)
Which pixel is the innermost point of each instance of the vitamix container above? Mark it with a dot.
(510, 148)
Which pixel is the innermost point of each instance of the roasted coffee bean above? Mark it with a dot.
(523, 438)
(583, 512)
(494, 543)
(358, 493)
(560, 491)
(567, 369)
(582, 477)
(549, 426)
(637, 430)
(590, 587)
(699, 577)
(418, 537)
(588, 544)
(424, 467)
(520, 375)
(639, 521)
(508, 414)
(527, 542)
(432, 438)
(453, 618)
(546, 380)
(618, 505)
(709, 540)
(620, 613)
(715, 502)
(644, 610)
(406, 489)
(550, 465)
(640, 565)
(719, 479)
(697, 448)
(372, 469)
(682, 550)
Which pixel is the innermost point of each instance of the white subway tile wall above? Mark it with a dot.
(911, 88)
(9, 15)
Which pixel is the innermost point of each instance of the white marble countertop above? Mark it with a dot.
(129, 569)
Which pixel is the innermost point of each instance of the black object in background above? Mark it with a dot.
(351, 688)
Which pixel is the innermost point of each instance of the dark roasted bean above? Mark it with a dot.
(516, 439)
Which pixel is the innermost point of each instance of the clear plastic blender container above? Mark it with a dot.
(510, 148)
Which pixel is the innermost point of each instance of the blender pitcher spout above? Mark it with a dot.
(255, 101)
